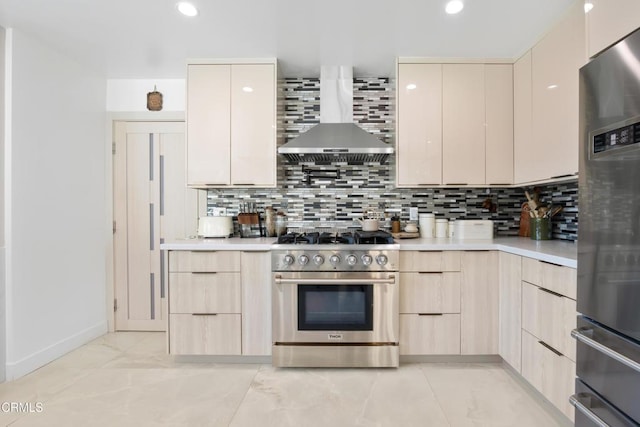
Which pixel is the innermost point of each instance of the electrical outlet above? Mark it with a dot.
(413, 214)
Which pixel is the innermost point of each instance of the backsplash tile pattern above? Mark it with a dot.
(335, 203)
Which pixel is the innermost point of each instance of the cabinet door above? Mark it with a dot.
(550, 317)
(429, 334)
(253, 133)
(610, 21)
(204, 334)
(256, 303)
(208, 129)
(479, 303)
(510, 303)
(525, 168)
(551, 374)
(430, 293)
(419, 148)
(556, 60)
(463, 124)
(499, 119)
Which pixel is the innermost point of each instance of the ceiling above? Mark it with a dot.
(149, 39)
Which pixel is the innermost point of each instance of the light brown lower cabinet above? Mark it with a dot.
(551, 373)
(551, 317)
(200, 334)
(429, 334)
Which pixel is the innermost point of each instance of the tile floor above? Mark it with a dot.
(126, 379)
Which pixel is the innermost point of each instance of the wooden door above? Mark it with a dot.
(151, 204)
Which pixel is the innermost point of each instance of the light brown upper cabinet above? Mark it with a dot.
(419, 148)
(463, 119)
(231, 124)
(555, 62)
(455, 124)
(609, 21)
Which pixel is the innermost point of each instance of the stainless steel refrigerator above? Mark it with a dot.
(608, 333)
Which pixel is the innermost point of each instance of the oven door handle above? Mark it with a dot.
(391, 280)
(587, 412)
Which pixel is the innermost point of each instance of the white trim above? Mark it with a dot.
(231, 61)
(427, 60)
(112, 117)
(8, 235)
(42, 357)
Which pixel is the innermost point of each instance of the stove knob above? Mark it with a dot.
(334, 260)
(367, 259)
(382, 259)
(288, 259)
(303, 259)
(318, 260)
(352, 259)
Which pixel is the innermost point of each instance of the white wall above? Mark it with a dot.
(131, 94)
(3, 319)
(55, 180)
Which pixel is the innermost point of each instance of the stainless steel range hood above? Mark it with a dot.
(336, 138)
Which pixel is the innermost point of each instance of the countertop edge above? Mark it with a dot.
(553, 251)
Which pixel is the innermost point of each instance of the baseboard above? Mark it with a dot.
(48, 354)
(452, 358)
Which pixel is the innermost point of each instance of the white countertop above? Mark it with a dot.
(220, 244)
(555, 251)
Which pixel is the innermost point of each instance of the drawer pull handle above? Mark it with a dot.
(552, 263)
(429, 272)
(587, 412)
(204, 272)
(551, 292)
(578, 335)
(430, 314)
(423, 251)
(204, 314)
(544, 344)
(200, 252)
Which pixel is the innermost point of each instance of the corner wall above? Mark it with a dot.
(55, 204)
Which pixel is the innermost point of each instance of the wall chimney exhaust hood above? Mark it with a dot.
(336, 138)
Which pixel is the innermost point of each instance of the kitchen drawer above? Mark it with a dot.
(430, 292)
(205, 334)
(550, 317)
(204, 261)
(551, 374)
(429, 261)
(204, 292)
(556, 278)
(421, 335)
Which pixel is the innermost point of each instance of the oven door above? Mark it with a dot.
(335, 308)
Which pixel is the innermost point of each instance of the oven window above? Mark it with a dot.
(335, 307)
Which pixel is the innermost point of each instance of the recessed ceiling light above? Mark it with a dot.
(411, 86)
(247, 89)
(454, 6)
(187, 9)
(552, 86)
(588, 6)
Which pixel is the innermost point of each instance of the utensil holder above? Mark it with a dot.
(540, 228)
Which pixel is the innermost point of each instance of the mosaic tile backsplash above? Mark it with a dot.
(336, 203)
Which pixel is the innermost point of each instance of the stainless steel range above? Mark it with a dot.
(335, 300)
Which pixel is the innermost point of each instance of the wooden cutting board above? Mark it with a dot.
(405, 235)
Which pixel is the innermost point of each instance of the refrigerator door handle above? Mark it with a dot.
(587, 412)
(578, 335)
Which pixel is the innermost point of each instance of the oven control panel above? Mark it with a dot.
(334, 260)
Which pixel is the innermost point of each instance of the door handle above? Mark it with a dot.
(578, 335)
(587, 412)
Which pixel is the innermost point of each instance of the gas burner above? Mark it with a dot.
(299, 238)
(373, 238)
(343, 238)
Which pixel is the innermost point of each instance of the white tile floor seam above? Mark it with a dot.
(127, 379)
